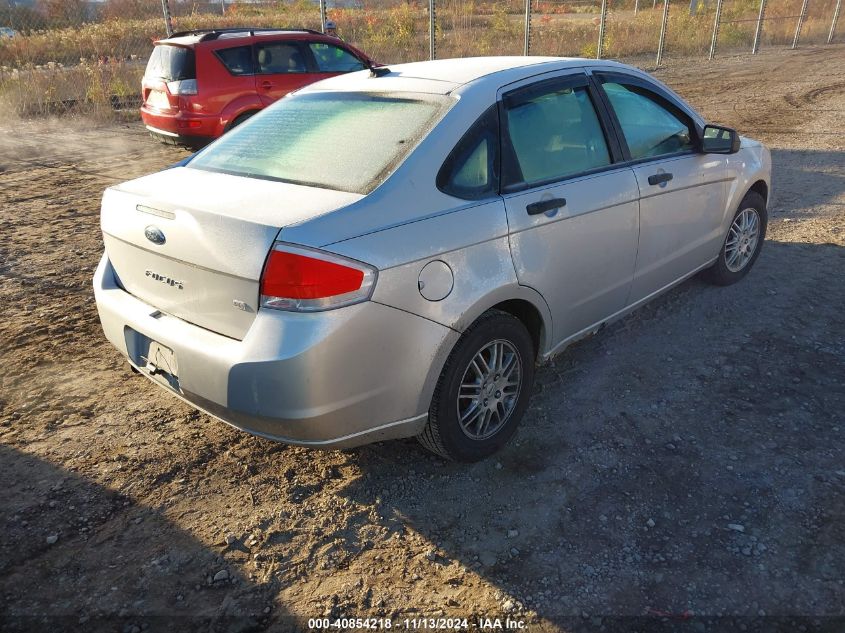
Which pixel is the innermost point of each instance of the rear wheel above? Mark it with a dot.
(241, 118)
(742, 243)
(483, 390)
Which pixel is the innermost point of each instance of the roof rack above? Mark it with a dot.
(213, 34)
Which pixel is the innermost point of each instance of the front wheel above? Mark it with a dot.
(483, 390)
(742, 243)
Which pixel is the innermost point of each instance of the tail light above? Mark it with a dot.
(182, 87)
(300, 279)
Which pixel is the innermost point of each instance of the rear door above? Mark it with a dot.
(572, 213)
(228, 74)
(682, 191)
(281, 67)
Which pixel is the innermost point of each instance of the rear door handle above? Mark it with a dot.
(659, 179)
(266, 85)
(536, 208)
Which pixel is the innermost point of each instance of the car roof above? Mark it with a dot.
(443, 76)
(191, 38)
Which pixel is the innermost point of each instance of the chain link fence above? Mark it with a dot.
(88, 56)
(467, 28)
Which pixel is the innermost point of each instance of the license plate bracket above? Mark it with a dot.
(158, 361)
(161, 360)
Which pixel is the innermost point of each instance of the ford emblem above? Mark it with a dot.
(154, 234)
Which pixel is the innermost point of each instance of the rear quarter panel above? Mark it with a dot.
(473, 242)
(220, 92)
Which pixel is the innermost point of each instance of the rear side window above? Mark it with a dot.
(334, 59)
(237, 60)
(279, 58)
(334, 140)
(171, 63)
(554, 132)
(471, 170)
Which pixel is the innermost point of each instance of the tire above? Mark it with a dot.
(241, 118)
(727, 269)
(444, 434)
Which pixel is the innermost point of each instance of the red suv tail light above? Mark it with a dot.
(182, 87)
(304, 280)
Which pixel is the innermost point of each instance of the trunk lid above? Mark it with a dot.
(192, 243)
(168, 63)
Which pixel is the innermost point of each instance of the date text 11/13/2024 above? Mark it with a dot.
(416, 624)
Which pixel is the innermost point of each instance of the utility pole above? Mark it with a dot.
(835, 20)
(168, 23)
(602, 26)
(801, 17)
(527, 46)
(714, 40)
(432, 29)
(759, 30)
(662, 42)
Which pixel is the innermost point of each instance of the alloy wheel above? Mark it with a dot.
(489, 389)
(741, 243)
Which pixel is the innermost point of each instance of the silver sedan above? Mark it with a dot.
(390, 253)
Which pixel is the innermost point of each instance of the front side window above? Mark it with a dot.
(554, 132)
(280, 57)
(649, 124)
(343, 141)
(237, 60)
(334, 59)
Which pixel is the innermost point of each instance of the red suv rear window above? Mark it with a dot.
(171, 63)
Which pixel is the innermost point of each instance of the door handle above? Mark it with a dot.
(536, 208)
(266, 84)
(659, 179)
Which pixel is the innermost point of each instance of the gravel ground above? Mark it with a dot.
(685, 467)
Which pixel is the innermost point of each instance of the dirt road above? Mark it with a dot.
(686, 462)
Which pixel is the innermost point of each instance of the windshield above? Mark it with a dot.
(171, 63)
(344, 141)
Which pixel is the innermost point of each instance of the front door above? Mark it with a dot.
(682, 191)
(331, 60)
(572, 214)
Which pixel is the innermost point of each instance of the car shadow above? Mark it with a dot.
(76, 556)
(684, 463)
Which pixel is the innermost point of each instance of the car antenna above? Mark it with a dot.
(378, 71)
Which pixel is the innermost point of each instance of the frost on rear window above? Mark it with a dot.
(344, 141)
(171, 63)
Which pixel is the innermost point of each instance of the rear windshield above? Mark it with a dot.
(344, 141)
(171, 63)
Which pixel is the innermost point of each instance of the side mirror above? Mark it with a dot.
(719, 140)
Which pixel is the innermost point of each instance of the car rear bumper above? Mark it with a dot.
(331, 379)
(195, 142)
(185, 127)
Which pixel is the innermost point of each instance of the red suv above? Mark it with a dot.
(198, 84)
